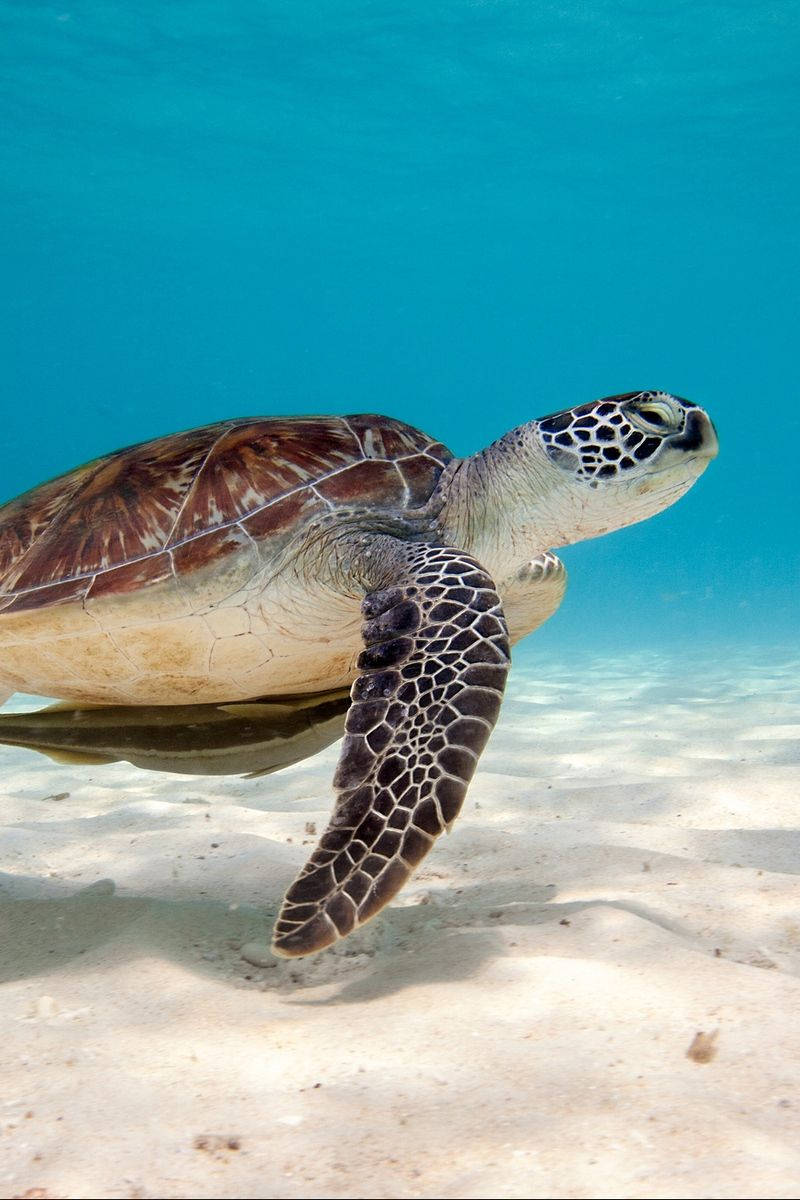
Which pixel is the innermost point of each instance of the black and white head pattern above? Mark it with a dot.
(608, 437)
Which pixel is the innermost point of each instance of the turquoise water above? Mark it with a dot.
(464, 214)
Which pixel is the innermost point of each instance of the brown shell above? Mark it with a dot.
(122, 522)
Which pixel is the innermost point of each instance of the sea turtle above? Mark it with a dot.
(298, 555)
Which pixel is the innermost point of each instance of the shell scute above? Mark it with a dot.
(212, 547)
(104, 514)
(382, 437)
(372, 482)
(281, 516)
(131, 577)
(421, 473)
(252, 464)
(25, 518)
(45, 597)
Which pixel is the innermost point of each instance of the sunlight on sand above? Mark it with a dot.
(624, 876)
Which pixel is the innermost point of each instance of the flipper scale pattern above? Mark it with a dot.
(430, 684)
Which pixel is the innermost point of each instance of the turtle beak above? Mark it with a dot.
(698, 435)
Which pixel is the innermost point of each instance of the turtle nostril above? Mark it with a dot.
(698, 434)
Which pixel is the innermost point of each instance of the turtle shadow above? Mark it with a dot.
(449, 934)
(40, 934)
(459, 943)
(94, 928)
(46, 927)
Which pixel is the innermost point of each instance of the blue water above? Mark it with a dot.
(464, 214)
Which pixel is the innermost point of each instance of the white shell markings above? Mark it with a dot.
(373, 444)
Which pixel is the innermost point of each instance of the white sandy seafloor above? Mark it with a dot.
(624, 877)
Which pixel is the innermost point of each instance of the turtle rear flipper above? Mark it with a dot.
(426, 699)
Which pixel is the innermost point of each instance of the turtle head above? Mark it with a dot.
(616, 461)
(574, 475)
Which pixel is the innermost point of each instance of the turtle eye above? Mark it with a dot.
(655, 415)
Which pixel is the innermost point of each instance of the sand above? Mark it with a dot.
(590, 989)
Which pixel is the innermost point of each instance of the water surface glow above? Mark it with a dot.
(462, 214)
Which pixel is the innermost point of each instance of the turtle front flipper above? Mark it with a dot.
(532, 594)
(428, 693)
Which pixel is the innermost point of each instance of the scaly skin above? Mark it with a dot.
(427, 696)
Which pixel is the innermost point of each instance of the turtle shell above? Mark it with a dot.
(182, 502)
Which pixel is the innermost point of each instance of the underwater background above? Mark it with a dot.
(462, 213)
